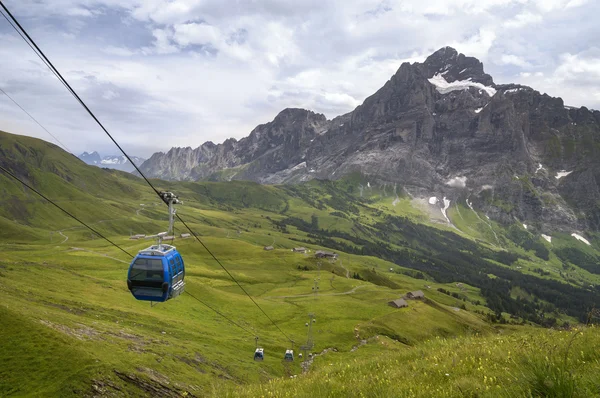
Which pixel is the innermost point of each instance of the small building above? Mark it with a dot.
(416, 295)
(299, 249)
(269, 248)
(325, 254)
(400, 303)
(185, 235)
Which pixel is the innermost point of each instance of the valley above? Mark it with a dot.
(71, 327)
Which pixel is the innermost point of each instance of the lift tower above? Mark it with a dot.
(170, 199)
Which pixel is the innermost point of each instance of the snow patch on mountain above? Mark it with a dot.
(457, 182)
(470, 204)
(548, 238)
(446, 206)
(562, 173)
(299, 166)
(433, 200)
(444, 87)
(540, 167)
(581, 238)
(113, 162)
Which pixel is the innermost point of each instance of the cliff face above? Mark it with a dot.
(437, 128)
(270, 148)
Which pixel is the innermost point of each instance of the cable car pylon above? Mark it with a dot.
(156, 273)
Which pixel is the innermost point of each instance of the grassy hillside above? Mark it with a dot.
(71, 327)
(524, 363)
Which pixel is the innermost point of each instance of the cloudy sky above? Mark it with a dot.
(163, 73)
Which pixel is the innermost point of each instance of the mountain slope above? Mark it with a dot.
(438, 128)
(63, 178)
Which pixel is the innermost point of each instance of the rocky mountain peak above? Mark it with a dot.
(437, 129)
(453, 66)
(93, 158)
(292, 114)
(118, 162)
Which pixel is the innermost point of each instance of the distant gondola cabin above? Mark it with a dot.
(156, 274)
(289, 355)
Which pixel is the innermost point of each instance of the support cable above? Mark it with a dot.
(220, 313)
(231, 276)
(35, 120)
(30, 46)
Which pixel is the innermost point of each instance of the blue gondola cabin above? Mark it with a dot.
(156, 274)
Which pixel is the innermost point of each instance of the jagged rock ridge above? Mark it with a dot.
(438, 128)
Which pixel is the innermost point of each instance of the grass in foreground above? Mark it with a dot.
(530, 363)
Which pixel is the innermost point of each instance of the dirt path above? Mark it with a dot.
(347, 271)
(144, 207)
(79, 249)
(353, 290)
(64, 236)
(80, 227)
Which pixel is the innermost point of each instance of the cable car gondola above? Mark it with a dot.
(156, 273)
(259, 354)
(289, 355)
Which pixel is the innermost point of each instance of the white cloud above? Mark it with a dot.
(524, 19)
(576, 3)
(194, 33)
(557, 5)
(478, 45)
(579, 66)
(79, 12)
(162, 43)
(341, 99)
(511, 59)
(119, 51)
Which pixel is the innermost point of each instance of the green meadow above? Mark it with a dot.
(70, 327)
